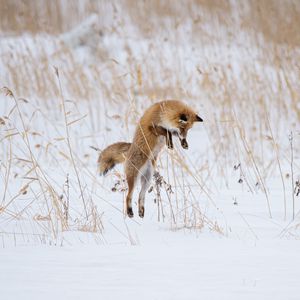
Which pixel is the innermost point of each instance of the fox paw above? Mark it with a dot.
(130, 212)
(184, 144)
(170, 146)
(141, 212)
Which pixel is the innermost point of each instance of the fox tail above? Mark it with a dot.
(112, 155)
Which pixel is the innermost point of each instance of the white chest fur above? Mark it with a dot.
(166, 124)
(161, 141)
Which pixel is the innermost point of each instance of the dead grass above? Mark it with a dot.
(43, 203)
(246, 87)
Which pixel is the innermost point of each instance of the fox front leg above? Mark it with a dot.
(159, 130)
(169, 140)
(183, 141)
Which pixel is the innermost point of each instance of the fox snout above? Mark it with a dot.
(198, 119)
(186, 124)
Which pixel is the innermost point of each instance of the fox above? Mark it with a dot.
(154, 130)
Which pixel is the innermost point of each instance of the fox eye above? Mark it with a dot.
(183, 118)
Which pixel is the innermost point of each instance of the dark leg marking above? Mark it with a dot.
(130, 183)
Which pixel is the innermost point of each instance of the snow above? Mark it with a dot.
(63, 232)
(186, 267)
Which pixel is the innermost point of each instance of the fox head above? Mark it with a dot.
(178, 117)
(185, 121)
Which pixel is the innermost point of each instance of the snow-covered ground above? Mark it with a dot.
(222, 226)
(179, 266)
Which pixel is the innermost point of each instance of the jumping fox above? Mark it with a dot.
(155, 129)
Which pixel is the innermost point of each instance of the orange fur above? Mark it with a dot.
(157, 122)
(112, 155)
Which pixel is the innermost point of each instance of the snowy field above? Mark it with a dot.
(169, 267)
(223, 221)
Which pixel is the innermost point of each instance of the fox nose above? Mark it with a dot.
(198, 119)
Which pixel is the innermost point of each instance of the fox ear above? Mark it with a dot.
(183, 118)
(198, 119)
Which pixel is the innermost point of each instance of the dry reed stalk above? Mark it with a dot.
(256, 168)
(69, 142)
(7, 175)
(291, 137)
(279, 164)
(25, 138)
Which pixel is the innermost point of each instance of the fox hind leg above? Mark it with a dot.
(145, 182)
(130, 183)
